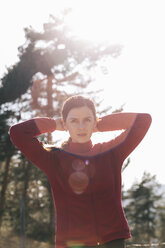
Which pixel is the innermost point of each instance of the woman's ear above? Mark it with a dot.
(97, 118)
(95, 125)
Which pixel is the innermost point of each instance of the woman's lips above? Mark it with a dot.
(82, 134)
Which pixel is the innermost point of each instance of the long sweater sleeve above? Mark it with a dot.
(23, 136)
(135, 126)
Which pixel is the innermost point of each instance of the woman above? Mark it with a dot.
(85, 178)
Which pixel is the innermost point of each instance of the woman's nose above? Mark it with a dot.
(81, 125)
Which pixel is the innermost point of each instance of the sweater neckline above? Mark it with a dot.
(80, 147)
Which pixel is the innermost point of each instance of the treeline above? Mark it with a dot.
(54, 64)
(144, 205)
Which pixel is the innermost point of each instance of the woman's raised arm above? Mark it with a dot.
(135, 126)
(117, 121)
(23, 136)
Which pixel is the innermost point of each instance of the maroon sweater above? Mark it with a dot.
(85, 179)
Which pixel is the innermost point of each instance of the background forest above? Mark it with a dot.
(53, 65)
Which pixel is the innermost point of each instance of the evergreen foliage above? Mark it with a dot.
(54, 51)
(141, 209)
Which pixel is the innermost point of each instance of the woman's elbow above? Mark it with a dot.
(13, 133)
(146, 119)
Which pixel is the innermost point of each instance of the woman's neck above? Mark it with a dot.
(76, 147)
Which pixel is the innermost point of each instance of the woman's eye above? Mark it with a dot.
(73, 121)
(76, 121)
(88, 119)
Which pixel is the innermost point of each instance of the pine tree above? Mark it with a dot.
(6, 152)
(55, 51)
(141, 208)
(160, 220)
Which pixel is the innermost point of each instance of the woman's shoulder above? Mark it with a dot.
(109, 145)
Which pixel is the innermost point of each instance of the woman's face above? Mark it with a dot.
(80, 123)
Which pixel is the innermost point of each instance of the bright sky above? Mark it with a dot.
(136, 77)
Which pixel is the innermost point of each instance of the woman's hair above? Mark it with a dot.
(75, 102)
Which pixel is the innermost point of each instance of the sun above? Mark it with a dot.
(95, 21)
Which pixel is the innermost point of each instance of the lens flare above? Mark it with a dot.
(74, 244)
(78, 181)
(86, 162)
(78, 165)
